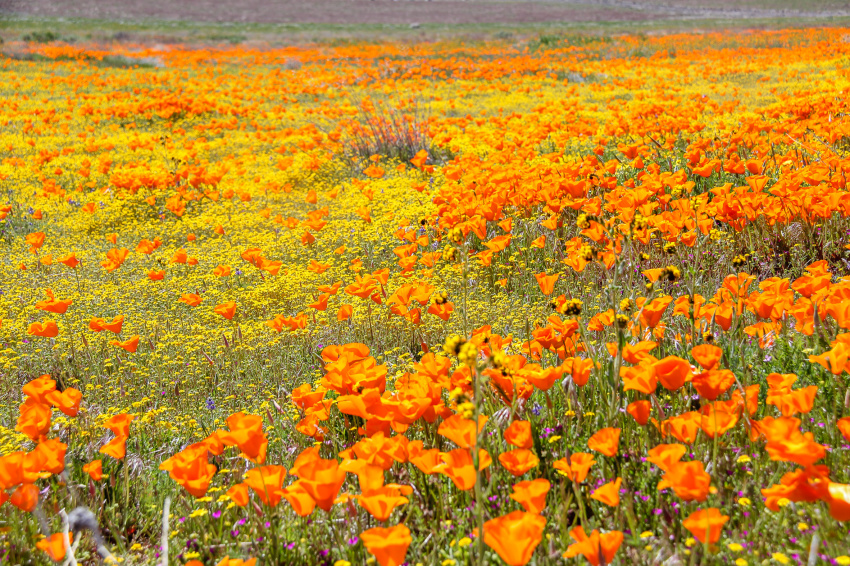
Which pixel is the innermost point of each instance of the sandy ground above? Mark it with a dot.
(420, 11)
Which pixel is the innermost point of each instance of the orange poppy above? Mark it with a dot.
(47, 329)
(843, 425)
(546, 282)
(387, 545)
(344, 312)
(227, 309)
(322, 479)
(267, 483)
(239, 494)
(190, 299)
(640, 411)
(54, 545)
(605, 441)
(518, 461)
(52, 304)
(428, 461)
(673, 372)
(609, 494)
(94, 469)
(519, 434)
(51, 453)
(34, 419)
(666, 455)
(707, 355)
(713, 383)
(640, 378)
(592, 546)
(131, 344)
(531, 494)
(459, 467)
(576, 467)
(99, 324)
(25, 497)
(684, 427)
(706, 525)
(299, 499)
(246, 432)
(688, 480)
(381, 501)
(461, 431)
(515, 536)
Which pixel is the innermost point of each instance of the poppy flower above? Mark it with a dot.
(547, 282)
(712, 384)
(673, 372)
(688, 480)
(609, 494)
(40, 388)
(576, 467)
(299, 499)
(531, 494)
(47, 329)
(320, 304)
(707, 355)
(227, 310)
(222, 271)
(684, 427)
(227, 561)
(461, 431)
(515, 536)
(428, 461)
(131, 344)
(843, 425)
(25, 497)
(33, 419)
(70, 260)
(344, 313)
(641, 378)
(322, 480)
(387, 545)
(518, 461)
(51, 454)
(838, 498)
(54, 545)
(442, 310)
(52, 304)
(190, 299)
(267, 483)
(239, 494)
(115, 258)
(156, 275)
(519, 434)
(35, 240)
(460, 468)
(381, 501)
(191, 469)
(716, 420)
(592, 546)
(666, 455)
(246, 432)
(94, 469)
(605, 441)
(706, 524)
(640, 411)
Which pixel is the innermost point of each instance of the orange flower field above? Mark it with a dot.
(567, 300)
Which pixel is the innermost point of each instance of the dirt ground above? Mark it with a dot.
(420, 11)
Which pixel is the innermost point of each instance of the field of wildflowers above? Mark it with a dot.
(572, 300)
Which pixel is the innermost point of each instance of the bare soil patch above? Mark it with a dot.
(419, 11)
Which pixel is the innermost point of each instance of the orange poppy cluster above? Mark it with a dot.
(537, 299)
